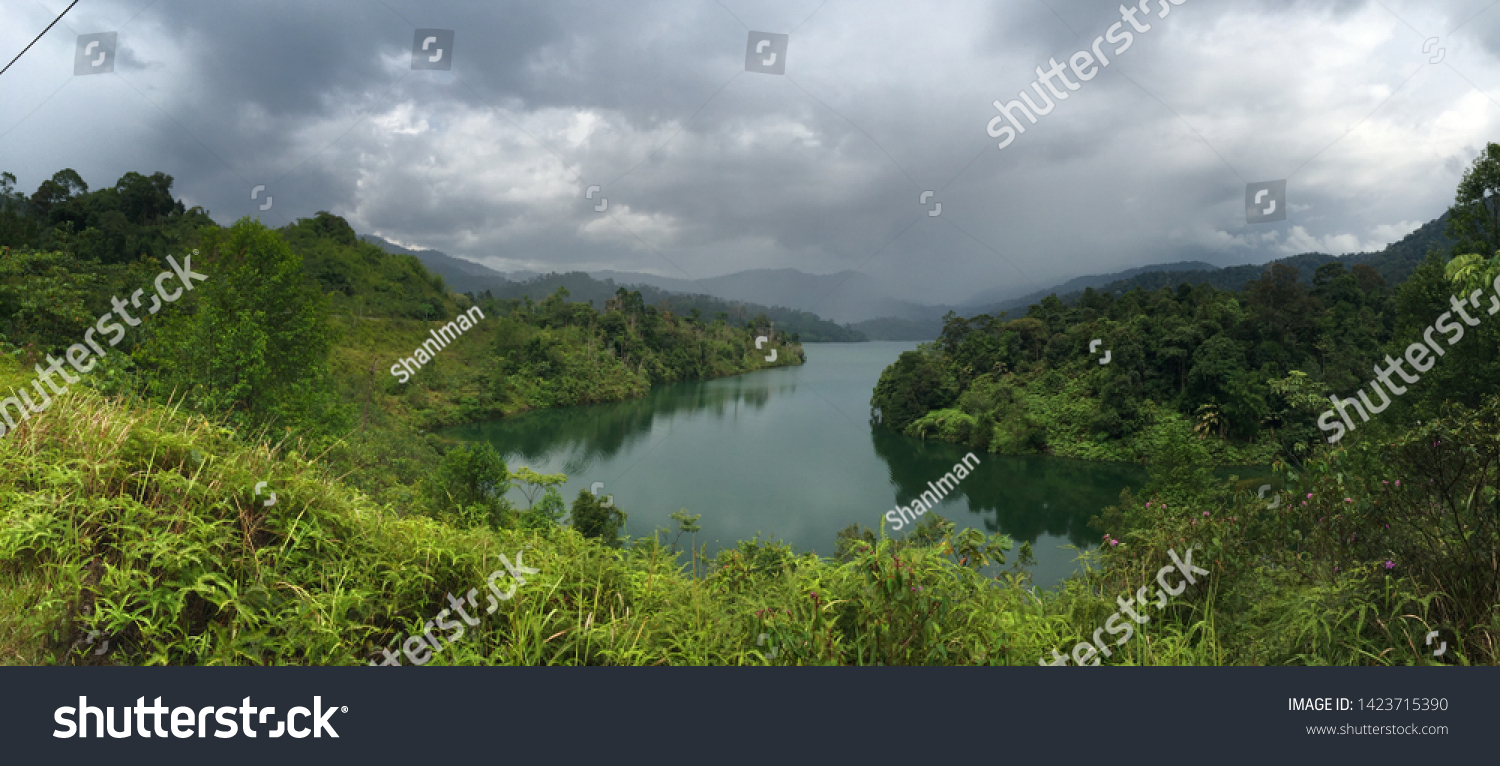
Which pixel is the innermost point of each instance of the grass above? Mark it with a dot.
(139, 521)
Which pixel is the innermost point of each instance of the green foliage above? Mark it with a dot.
(469, 487)
(1474, 219)
(251, 342)
(547, 513)
(135, 218)
(362, 279)
(1198, 355)
(595, 520)
(915, 384)
(138, 522)
(589, 291)
(532, 482)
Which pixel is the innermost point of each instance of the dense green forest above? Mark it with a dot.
(1243, 374)
(1247, 369)
(802, 326)
(127, 508)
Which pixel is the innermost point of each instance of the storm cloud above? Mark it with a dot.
(710, 169)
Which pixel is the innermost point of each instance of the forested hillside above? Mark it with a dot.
(299, 329)
(473, 279)
(1245, 373)
(127, 509)
(1394, 264)
(804, 326)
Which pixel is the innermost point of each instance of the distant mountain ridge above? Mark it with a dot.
(468, 277)
(857, 300)
(1394, 263)
(1078, 284)
(454, 271)
(845, 296)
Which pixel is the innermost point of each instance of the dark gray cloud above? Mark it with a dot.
(710, 169)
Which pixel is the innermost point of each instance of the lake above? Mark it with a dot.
(790, 453)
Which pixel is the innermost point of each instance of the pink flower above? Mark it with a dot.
(1398, 482)
(1309, 496)
(1348, 499)
(1205, 513)
(1114, 542)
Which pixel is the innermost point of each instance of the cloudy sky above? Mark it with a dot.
(710, 169)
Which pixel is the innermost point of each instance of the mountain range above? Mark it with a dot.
(815, 304)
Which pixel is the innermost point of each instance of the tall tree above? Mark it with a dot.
(1474, 218)
(257, 347)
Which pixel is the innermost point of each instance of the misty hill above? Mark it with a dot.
(1002, 295)
(460, 274)
(1394, 263)
(846, 296)
(466, 276)
(582, 288)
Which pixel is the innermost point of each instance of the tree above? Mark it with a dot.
(1300, 400)
(910, 388)
(533, 482)
(1474, 218)
(1219, 376)
(687, 525)
(548, 512)
(471, 484)
(257, 347)
(17, 226)
(594, 519)
(64, 185)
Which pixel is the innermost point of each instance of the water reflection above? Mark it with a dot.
(1022, 496)
(580, 437)
(788, 453)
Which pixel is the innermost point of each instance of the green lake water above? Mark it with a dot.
(790, 453)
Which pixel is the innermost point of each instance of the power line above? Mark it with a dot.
(38, 37)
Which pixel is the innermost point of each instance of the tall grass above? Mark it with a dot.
(140, 522)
